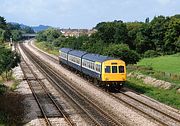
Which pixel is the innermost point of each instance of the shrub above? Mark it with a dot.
(151, 53)
(123, 52)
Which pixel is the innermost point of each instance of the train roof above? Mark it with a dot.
(85, 55)
(77, 53)
(97, 57)
(66, 50)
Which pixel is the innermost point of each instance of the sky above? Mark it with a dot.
(84, 13)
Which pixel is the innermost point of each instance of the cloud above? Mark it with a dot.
(83, 13)
(164, 2)
(34, 11)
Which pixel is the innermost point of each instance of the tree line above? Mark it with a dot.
(12, 30)
(8, 59)
(129, 41)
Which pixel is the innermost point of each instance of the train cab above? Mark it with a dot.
(113, 71)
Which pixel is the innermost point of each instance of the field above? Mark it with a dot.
(169, 63)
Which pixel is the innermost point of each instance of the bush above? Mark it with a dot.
(123, 52)
(151, 53)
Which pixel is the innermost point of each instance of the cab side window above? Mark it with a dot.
(121, 69)
(114, 69)
(107, 69)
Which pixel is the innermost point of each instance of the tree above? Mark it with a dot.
(172, 36)
(41, 36)
(121, 33)
(5, 33)
(106, 31)
(52, 34)
(28, 30)
(16, 35)
(3, 24)
(147, 20)
(158, 26)
(133, 28)
(123, 52)
(2, 35)
(143, 39)
(8, 60)
(14, 26)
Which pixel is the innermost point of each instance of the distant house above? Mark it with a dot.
(77, 32)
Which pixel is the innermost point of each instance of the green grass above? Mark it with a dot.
(169, 97)
(46, 48)
(14, 85)
(168, 63)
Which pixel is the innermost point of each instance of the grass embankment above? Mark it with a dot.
(164, 68)
(169, 97)
(47, 48)
(11, 107)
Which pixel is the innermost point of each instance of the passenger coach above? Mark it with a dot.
(106, 69)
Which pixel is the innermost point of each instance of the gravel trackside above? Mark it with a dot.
(31, 108)
(103, 99)
(74, 115)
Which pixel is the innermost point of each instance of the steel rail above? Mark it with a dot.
(72, 88)
(136, 107)
(36, 97)
(169, 116)
(66, 117)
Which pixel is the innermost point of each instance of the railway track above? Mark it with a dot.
(160, 116)
(95, 113)
(43, 97)
(164, 118)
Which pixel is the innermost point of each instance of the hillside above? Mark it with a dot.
(35, 28)
(40, 28)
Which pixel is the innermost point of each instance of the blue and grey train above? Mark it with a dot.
(106, 70)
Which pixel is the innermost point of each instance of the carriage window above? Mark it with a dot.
(114, 69)
(107, 69)
(98, 68)
(121, 69)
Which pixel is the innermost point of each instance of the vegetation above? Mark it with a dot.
(169, 97)
(47, 48)
(168, 63)
(8, 58)
(163, 68)
(12, 30)
(9, 114)
(129, 41)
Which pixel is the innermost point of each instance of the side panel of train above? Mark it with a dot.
(107, 71)
(91, 68)
(74, 62)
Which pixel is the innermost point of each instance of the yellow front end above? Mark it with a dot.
(113, 71)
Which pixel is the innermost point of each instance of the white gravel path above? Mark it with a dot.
(31, 107)
(102, 98)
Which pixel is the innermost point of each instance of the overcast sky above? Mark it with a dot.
(84, 13)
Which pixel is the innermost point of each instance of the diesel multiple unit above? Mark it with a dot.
(105, 69)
